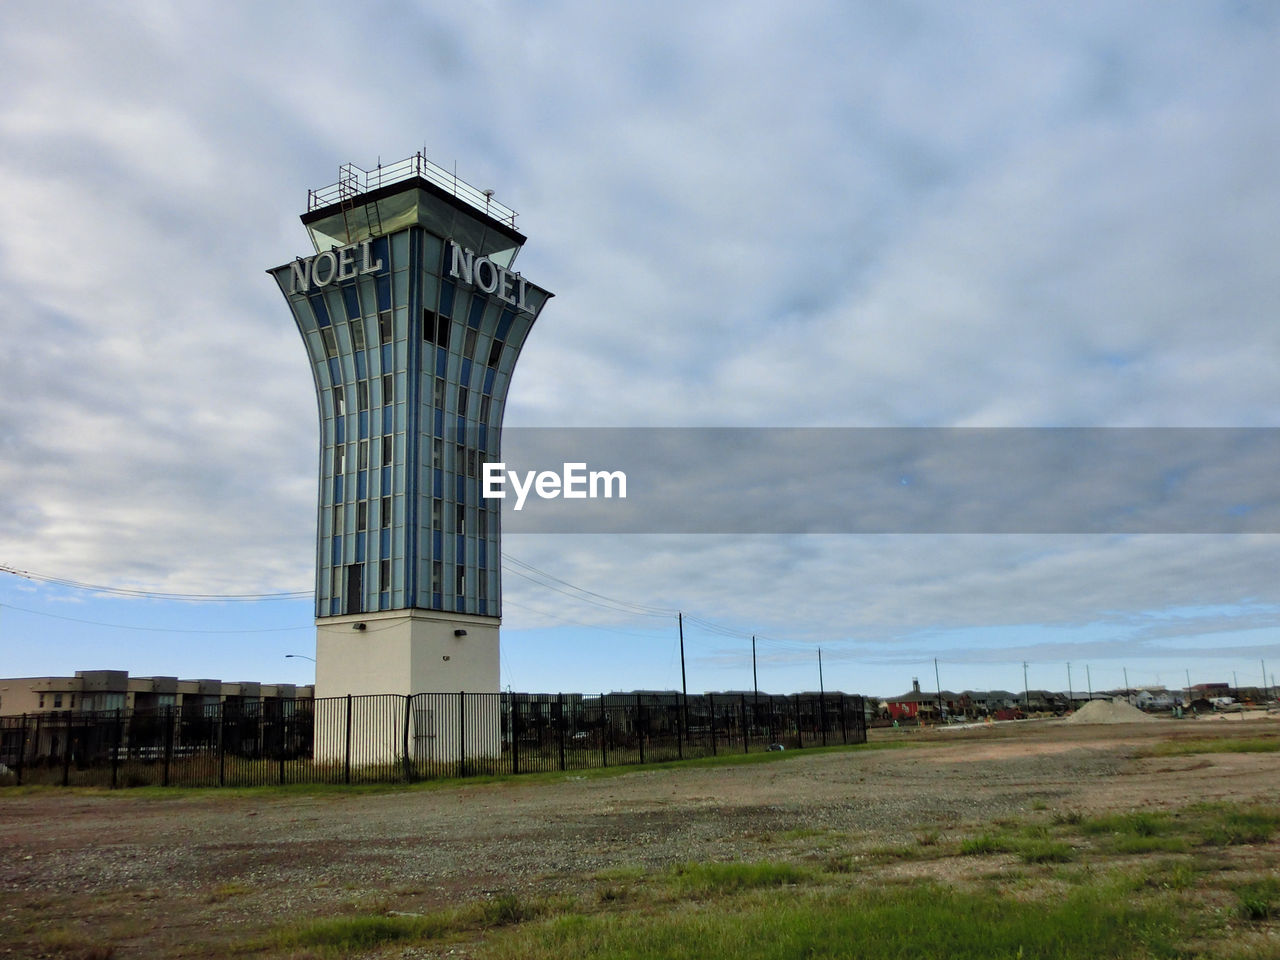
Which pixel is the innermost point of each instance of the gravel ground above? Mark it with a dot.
(182, 874)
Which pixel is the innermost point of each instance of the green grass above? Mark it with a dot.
(1259, 900)
(705, 879)
(921, 920)
(1178, 748)
(984, 844)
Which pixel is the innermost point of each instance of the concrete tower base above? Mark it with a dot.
(406, 652)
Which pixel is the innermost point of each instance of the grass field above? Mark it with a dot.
(1063, 854)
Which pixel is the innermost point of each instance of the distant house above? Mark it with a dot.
(915, 704)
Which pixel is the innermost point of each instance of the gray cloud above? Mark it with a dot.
(824, 215)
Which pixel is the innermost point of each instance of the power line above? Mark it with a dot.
(125, 626)
(152, 594)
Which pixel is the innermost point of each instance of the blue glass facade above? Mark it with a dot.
(411, 368)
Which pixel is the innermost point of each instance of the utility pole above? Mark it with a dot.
(1088, 678)
(937, 685)
(1235, 682)
(1127, 698)
(821, 689)
(1026, 691)
(1265, 695)
(755, 681)
(1070, 699)
(684, 684)
(1187, 701)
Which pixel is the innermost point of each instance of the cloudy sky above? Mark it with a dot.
(752, 215)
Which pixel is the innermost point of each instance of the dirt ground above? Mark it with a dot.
(189, 872)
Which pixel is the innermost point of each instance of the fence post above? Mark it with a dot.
(515, 735)
(679, 736)
(711, 715)
(844, 723)
(222, 744)
(564, 722)
(346, 762)
(278, 727)
(408, 714)
(604, 733)
(744, 723)
(22, 748)
(462, 733)
(640, 726)
(822, 716)
(795, 703)
(168, 744)
(115, 751)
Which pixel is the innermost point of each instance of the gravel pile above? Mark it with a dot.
(1110, 711)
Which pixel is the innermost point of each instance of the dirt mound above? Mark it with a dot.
(1110, 711)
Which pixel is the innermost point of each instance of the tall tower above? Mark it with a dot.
(413, 316)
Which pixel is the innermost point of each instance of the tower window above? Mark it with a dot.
(384, 576)
(357, 333)
(339, 402)
(388, 450)
(330, 341)
(388, 388)
(386, 511)
(461, 590)
(384, 325)
(362, 515)
(362, 395)
(339, 458)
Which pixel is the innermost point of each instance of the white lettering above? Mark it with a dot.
(300, 275)
(575, 483)
(462, 264)
(347, 262)
(548, 484)
(608, 478)
(523, 287)
(575, 475)
(366, 255)
(521, 492)
(326, 257)
(492, 283)
(493, 481)
(504, 289)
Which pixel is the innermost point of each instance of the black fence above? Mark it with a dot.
(394, 738)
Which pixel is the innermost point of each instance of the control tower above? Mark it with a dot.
(413, 315)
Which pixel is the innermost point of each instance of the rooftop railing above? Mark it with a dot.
(353, 181)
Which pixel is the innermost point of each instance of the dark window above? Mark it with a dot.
(363, 457)
(330, 341)
(460, 518)
(437, 575)
(362, 515)
(462, 401)
(384, 326)
(355, 588)
(362, 395)
(482, 517)
(437, 513)
(388, 450)
(339, 402)
(469, 344)
(339, 457)
(471, 463)
(442, 331)
(386, 511)
(384, 576)
(429, 322)
(495, 353)
(388, 388)
(484, 408)
(357, 333)
(461, 581)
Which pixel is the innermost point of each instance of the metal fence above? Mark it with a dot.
(394, 738)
